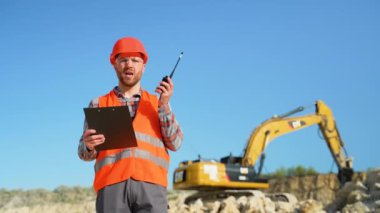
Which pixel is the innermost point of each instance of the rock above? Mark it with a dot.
(351, 186)
(283, 207)
(242, 202)
(269, 206)
(377, 206)
(373, 178)
(213, 207)
(377, 186)
(355, 196)
(309, 206)
(257, 193)
(197, 206)
(177, 202)
(373, 182)
(352, 191)
(229, 205)
(357, 207)
(254, 204)
(284, 202)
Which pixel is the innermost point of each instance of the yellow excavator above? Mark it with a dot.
(237, 173)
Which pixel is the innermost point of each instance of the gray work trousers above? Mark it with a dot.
(132, 196)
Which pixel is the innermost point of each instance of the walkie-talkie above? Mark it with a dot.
(171, 74)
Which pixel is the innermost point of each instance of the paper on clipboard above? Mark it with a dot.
(114, 123)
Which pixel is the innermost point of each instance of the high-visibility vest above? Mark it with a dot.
(148, 162)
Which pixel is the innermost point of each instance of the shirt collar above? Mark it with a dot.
(121, 95)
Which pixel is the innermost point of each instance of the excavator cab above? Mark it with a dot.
(231, 159)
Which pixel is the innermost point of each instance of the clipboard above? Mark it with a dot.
(115, 123)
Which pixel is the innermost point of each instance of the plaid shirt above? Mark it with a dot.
(170, 130)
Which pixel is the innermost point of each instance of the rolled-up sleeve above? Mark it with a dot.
(83, 152)
(170, 129)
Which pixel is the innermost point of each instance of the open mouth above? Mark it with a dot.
(128, 74)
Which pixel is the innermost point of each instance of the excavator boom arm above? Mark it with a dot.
(280, 125)
(272, 129)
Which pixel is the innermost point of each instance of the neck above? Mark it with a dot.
(129, 91)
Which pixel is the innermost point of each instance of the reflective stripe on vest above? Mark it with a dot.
(149, 139)
(138, 153)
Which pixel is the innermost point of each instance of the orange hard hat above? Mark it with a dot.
(128, 45)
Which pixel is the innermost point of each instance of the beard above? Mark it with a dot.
(129, 80)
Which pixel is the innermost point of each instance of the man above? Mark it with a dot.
(134, 179)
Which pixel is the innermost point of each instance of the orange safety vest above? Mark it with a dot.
(148, 162)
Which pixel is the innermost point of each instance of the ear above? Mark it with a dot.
(143, 69)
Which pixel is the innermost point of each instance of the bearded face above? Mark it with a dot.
(129, 70)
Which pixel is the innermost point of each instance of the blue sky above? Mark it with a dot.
(244, 61)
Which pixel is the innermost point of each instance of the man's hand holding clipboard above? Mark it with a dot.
(91, 139)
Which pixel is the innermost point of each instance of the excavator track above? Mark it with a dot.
(211, 196)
